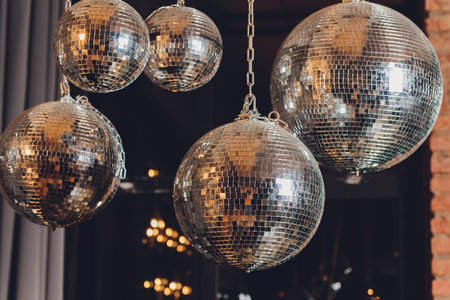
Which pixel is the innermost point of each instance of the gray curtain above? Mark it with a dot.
(31, 257)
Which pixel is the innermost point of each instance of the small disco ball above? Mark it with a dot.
(359, 84)
(101, 45)
(185, 48)
(60, 163)
(249, 195)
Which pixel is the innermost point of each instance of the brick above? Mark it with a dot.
(440, 266)
(440, 245)
(440, 226)
(440, 184)
(441, 287)
(437, 5)
(440, 142)
(438, 23)
(439, 42)
(440, 163)
(440, 203)
(442, 123)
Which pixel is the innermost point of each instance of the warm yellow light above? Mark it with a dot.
(177, 294)
(370, 292)
(167, 291)
(181, 248)
(161, 224)
(149, 232)
(159, 288)
(147, 284)
(158, 281)
(28, 152)
(178, 286)
(186, 290)
(160, 239)
(154, 223)
(182, 239)
(144, 241)
(82, 36)
(165, 281)
(152, 173)
(172, 285)
(169, 232)
(169, 243)
(174, 234)
(155, 232)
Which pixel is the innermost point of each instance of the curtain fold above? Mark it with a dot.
(31, 257)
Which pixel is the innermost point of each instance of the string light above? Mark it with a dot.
(161, 285)
(172, 239)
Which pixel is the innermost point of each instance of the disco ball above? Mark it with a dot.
(60, 163)
(249, 195)
(101, 45)
(359, 84)
(185, 48)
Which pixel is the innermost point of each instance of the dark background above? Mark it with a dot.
(377, 229)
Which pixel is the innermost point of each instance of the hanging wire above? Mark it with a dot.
(180, 2)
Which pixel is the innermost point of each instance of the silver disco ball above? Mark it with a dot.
(359, 84)
(60, 163)
(249, 195)
(101, 45)
(185, 48)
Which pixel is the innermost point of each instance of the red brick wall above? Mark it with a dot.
(438, 29)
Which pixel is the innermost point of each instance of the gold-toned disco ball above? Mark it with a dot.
(60, 162)
(185, 48)
(249, 195)
(359, 84)
(101, 45)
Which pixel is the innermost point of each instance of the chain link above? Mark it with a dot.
(180, 2)
(64, 87)
(250, 99)
(68, 4)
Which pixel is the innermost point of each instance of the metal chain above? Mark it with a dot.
(250, 99)
(64, 87)
(68, 4)
(180, 2)
(64, 84)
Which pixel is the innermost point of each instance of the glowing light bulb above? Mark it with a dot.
(152, 173)
(161, 224)
(154, 223)
(149, 232)
(186, 290)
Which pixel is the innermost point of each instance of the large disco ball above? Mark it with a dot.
(185, 48)
(101, 45)
(359, 84)
(60, 163)
(249, 195)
